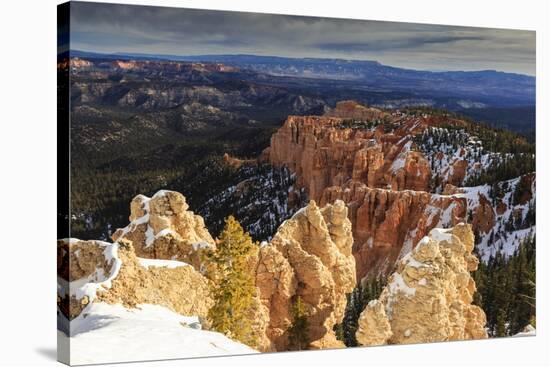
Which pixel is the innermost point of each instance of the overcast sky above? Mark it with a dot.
(157, 30)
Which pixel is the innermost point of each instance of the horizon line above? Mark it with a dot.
(167, 57)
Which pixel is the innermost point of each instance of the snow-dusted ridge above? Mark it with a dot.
(500, 239)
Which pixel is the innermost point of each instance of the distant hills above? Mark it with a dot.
(485, 88)
(499, 99)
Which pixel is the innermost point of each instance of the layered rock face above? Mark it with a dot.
(368, 163)
(429, 296)
(161, 227)
(323, 151)
(112, 273)
(387, 224)
(322, 154)
(310, 257)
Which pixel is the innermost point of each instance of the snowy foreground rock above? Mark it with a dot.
(429, 297)
(114, 333)
(162, 227)
(117, 307)
(155, 260)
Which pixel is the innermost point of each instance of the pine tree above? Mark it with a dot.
(357, 300)
(501, 324)
(298, 331)
(506, 290)
(233, 283)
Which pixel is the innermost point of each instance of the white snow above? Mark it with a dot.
(500, 239)
(529, 330)
(440, 234)
(398, 285)
(454, 146)
(170, 264)
(165, 232)
(149, 236)
(399, 162)
(161, 193)
(412, 262)
(113, 333)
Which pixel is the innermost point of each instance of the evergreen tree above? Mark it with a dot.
(506, 290)
(233, 280)
(298, 331)
(501, 324)
(357, 300)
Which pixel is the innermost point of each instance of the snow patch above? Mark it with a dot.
(201, 245)
(155, 263)
(398, 285)
(440, 234)
(529, 330)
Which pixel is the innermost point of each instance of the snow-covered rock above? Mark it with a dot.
(510, 221)
(111, 273)
(162, 227)
(116, 307)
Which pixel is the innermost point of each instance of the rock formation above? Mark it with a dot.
(161, 227)
(112, 273)
(429, 296)
(309, 257)
(352, 109)
(115, 307)
(324, 151)
(386, 223)
(365, 157)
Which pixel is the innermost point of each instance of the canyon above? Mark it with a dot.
(375, 217)
(396, 187)
(388, 199)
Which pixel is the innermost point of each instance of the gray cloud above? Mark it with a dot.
(159, 30)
